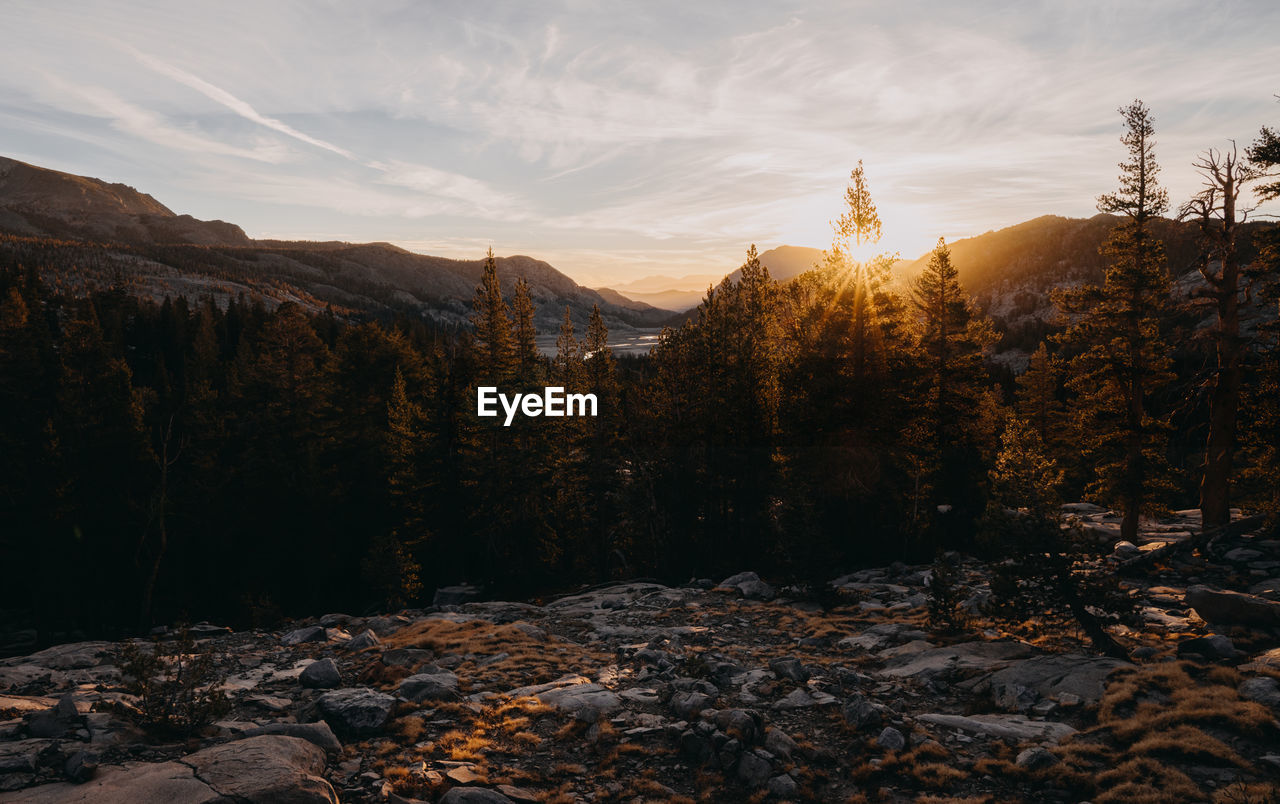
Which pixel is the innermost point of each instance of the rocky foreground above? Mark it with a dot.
(729, 691)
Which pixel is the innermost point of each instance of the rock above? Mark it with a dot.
(312, 633)
(859, 712)
(800, 698)
(1005, 727)
(1266, 660)
(357, 710)
(266, 768)
(207, 630)
(318, 734)
(779, 743)
(134, 783)
(261, 769)
(1233, 607)
(81, 766)
(1211, 647)
(749, 585)
(455, 595)
(1264, 689)
(574, 695)
(321, 675)
(1035, 758)
(1125, 549)
(473, 795)
(891, 739)
(790, 668)
(783, 786)
(687, 705)
(1014, 697)
(964, 656)
(73, 656)
(386, 624)
(1242, 555)
(694, 747)
(363, 641)
(754, 769)
(21, 756)
(1017, 687)
(740, 724)
(518, 794)
(430, 687)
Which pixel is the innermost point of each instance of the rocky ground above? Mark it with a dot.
(729, 691)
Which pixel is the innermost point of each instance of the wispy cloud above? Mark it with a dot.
(671, 141)
(235, 104)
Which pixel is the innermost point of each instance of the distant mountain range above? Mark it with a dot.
(685, 293)
(94, 233)
(97, 234)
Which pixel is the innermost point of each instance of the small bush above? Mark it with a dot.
(177, 684)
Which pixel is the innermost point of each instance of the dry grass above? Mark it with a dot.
(1153, 719)
(1145, 781)
(528, 660)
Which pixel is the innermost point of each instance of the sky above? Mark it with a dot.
(619, 140)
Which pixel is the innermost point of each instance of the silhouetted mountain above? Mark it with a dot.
(786, 262)
(96, 234)
(39, 202)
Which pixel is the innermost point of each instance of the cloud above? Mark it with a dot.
(235, 104)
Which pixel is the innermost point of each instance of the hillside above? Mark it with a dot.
(92, 234)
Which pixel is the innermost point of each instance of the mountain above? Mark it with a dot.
(683, 294)
(92, 234)
(786, 262)
(1011, 271)
(40, 202)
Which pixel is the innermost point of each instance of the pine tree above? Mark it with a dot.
(1045, 572)
(566, 367)
(1118, 335)
(952, 339)
(492, 324)
(389, 566)
(528, 362)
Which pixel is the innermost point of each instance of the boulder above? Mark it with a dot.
(964, 656)
(1018, 686)
(1005, 727)
(749, 585)
(789, 668)
(312, 633)
(439, 686)
(1035, 758)
(891, 739)
(859, 712)
(357, 710)
(779, 743)
(279, 769)
(1216, 606)
(321, 675)
(273, 768)
(1213, 647)
(783, 786)
(753, 769)
(1264, 689)
(318, 734)
(364, 640)
(687, 705)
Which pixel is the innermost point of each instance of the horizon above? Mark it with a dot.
(613, 157)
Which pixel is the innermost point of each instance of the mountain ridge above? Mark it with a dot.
(162, 253)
